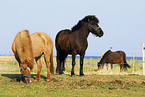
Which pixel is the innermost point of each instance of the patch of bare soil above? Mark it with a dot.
(85, 84)
(111, 85)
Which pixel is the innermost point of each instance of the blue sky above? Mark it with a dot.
(123, 22)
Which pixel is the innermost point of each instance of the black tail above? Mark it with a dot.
(126, 64)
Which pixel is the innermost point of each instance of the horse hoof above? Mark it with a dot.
(56, 73)
(21, 81)
(48, 80)
(72, 75)
(36, 80)
(82, 75)
(60, 73)
(27, 82)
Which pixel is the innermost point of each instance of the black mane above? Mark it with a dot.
(104, 56)
(107, 53)
(76, 27)
(85, 19)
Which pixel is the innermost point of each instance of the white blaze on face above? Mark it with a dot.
(28, 68)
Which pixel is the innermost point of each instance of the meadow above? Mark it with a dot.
(95, 83)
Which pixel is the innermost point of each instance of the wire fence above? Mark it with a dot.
(90, 66)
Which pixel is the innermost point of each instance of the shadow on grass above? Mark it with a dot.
(96, 70)
(18, 76)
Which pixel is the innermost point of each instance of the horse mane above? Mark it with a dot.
(24, 48)
(85, 19)
(67, 30)
(76, 27)
(106, 54)
(27, 44)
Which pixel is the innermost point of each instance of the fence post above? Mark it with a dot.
(133, 63)
(143, 48)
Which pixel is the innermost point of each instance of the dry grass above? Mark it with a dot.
(8, 64)
(95, 83)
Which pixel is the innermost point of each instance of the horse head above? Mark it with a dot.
(93, 26)
(25, 70)
(100, 66)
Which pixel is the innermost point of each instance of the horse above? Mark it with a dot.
(74, 42)
(28, 47)
(114, 58)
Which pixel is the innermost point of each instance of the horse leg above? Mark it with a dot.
(73, 64)
(47, 61)
(18, 60)
(107, 66)
(125, 65)
(39, 66)
(64, 65)
(63, 60)
(59, 68)
(121, 66)
(58, 64)
(81, 64)
(101, 67)
(111, 66)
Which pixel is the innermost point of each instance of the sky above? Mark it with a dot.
(123, 22)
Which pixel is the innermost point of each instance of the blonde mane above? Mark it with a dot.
(23, 48)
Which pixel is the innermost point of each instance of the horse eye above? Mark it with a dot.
(24, 69)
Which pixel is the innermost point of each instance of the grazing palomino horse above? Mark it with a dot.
(74, 42)
(114, 58)
(28, 47)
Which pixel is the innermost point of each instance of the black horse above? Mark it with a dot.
(74, 42)
(114, 58)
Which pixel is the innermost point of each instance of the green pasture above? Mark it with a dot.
(95, 83)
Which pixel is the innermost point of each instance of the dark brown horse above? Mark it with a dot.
(74, 42)
(114, 58)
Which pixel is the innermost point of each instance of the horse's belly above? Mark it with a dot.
(116, 61)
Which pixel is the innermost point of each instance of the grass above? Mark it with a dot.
(95, 83)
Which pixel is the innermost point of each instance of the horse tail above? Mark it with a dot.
(51, 63)
(124, 59)
(126, 64)
(26, 49)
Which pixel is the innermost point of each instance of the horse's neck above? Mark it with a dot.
(83, 32)
(103, 60)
